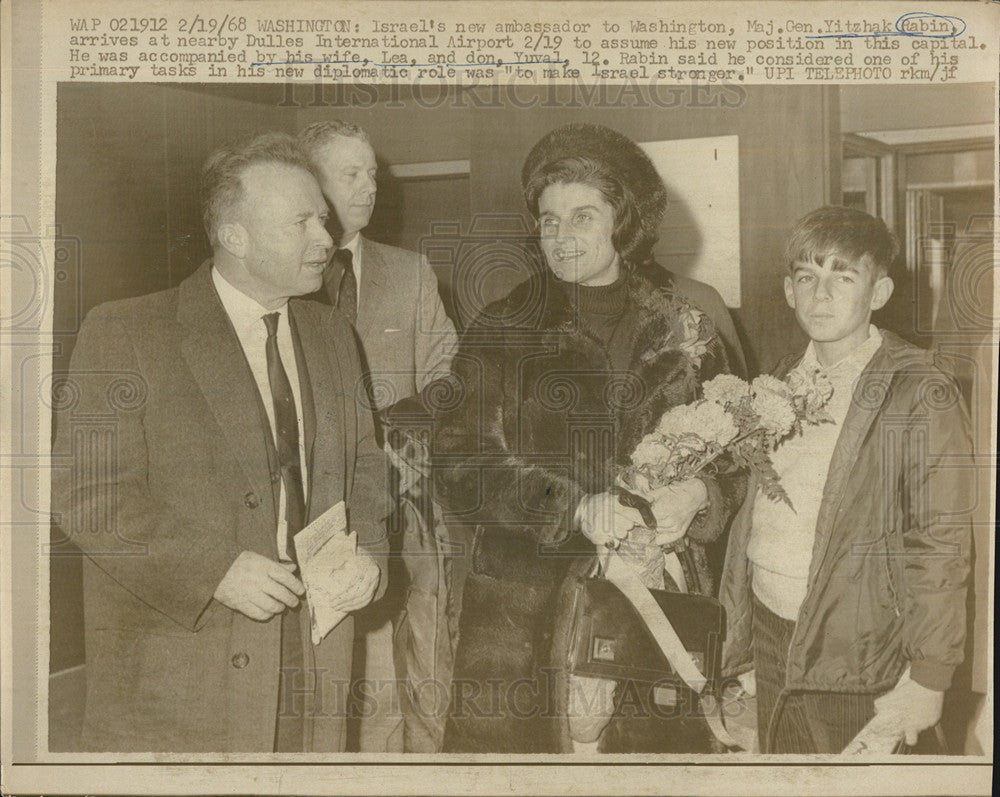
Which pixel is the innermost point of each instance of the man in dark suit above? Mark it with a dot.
(207, 425)
(407, 341)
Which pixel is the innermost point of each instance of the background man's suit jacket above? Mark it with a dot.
(406, 336)
(170, 479)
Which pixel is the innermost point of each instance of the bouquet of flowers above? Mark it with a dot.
(734, 426)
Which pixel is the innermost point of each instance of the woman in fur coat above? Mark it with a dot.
(553, 387)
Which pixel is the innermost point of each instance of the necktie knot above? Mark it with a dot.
(343, 258)
(271, 322)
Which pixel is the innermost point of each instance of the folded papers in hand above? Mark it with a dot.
(330, 565)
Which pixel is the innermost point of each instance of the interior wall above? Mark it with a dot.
(127, 174)
(407, 124)
(898, 107)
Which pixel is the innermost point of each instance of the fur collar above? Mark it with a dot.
(668, 322)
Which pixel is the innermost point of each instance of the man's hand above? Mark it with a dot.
(908, 709)
(603, 520)
(361, 589)
(259, 587)
(675, 506)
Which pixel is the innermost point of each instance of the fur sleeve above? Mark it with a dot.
(480, 477)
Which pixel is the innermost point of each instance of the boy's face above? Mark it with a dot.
(833, 301)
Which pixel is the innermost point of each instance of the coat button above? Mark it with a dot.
(241, 660)
(251, 501)
(275, 476)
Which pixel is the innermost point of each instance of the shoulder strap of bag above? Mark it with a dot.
(619, 573)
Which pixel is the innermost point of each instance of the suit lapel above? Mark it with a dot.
(324, 411)
(373, 276)
(305, 390)
(217, 363)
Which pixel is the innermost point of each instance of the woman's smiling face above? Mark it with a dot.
(575, 227)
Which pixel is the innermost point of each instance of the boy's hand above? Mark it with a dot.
(909, 708)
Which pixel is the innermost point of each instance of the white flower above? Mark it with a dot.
(777, 415)
(694, 426)
(650, 451)
(714, 424)
(765, 383)
(725, 389)
(678, 421)
(811, 387)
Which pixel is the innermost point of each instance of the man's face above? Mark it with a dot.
(347, 176)
(834, 300)
(286, 243)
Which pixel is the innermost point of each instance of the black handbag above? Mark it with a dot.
(608, 638)
(601, 635)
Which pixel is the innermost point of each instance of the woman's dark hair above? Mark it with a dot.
(597, 175)
(614, 158)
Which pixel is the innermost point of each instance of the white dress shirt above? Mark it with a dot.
(247, 317)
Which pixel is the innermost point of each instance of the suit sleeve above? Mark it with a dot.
(368, 501)
(434, 340)
(937, 534)
(479, 475)
(102, 495)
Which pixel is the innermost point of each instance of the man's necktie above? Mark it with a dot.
(347, 294)
(289, 726)
(288, 432)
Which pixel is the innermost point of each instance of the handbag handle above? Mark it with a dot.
(618, 572)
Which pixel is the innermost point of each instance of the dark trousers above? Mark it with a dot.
(804, 722)
(288, 734)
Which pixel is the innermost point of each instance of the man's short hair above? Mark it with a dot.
(221, 177)
(318, 135)
(849, 232)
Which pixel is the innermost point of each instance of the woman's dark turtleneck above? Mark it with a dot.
(603, 312)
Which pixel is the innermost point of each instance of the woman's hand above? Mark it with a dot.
(675, 506)
(605, 521)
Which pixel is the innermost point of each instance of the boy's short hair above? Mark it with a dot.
(850, 232)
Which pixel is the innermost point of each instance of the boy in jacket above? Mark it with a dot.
(852, 604)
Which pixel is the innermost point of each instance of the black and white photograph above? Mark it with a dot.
(467, 423)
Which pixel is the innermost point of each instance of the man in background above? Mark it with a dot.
(407, 341)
